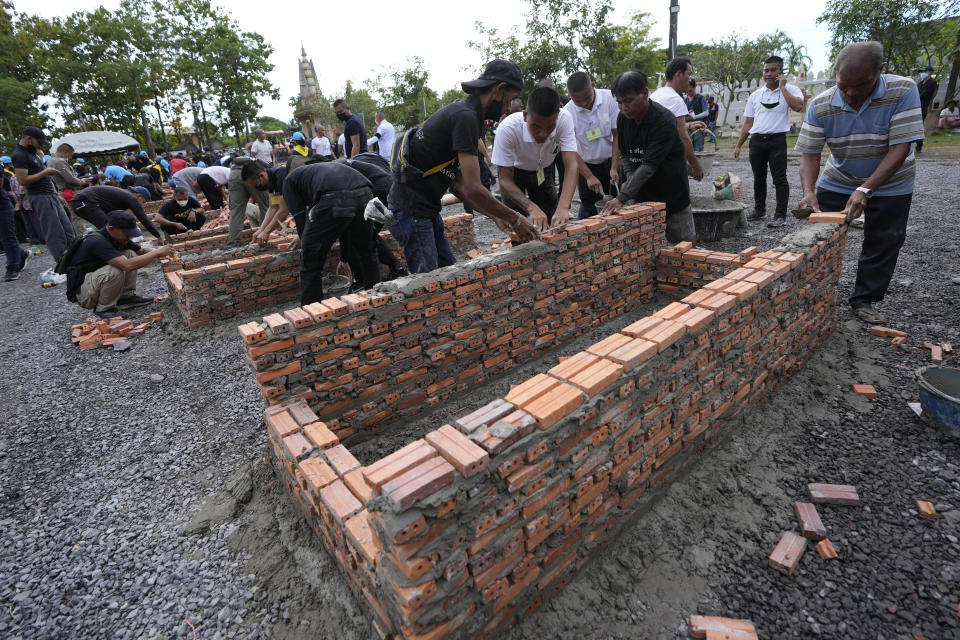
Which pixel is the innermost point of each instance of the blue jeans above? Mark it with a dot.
(424, 242)
(8, 235)
(697, 140)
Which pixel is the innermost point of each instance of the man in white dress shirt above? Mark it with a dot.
(383, 137)
(670, 95)
(524, 151)
(767, 120)
(594, 114)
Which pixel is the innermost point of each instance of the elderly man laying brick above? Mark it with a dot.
(101, 267)
(870, 121)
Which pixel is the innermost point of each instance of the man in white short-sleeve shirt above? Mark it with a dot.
(670, 95)
(213, 182)
(524, 151)
(767, 120)
(383, 137)
(320, 145)
(261, 148)
(594, 114)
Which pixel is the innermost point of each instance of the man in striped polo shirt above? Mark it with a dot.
(870, 122)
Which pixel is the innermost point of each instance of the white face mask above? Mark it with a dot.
(924, 75)
(182, 203)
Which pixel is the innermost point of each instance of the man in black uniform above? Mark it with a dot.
(182, 213)
(354, 135)
(652, 156)
(92, 203)
(102, 274)
(928, 89)
(442, 154)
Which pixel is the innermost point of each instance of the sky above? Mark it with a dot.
(385, 35)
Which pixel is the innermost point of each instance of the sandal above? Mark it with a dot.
(870, 315)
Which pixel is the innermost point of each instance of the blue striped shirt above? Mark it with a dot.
(859, 139)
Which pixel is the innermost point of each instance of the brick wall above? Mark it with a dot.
(211, 280)
(465, 531)
(365, 361)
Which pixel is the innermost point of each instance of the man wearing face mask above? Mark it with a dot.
(48, 207)
(928, 89)
(524, 151)
(354, 135)
(767, 121)
(442, 154)
(182, 213)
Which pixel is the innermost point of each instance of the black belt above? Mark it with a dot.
(768, 136)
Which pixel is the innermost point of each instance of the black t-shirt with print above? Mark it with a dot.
(176, 213)
(454, 128)
(655, 141)
(95, 251)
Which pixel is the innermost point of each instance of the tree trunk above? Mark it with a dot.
(143, 119)
(193, 108)
(954, 72)
(163, 134)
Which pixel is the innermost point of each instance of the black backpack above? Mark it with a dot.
(64, 265)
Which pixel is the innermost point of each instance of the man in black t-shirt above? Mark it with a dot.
(182, 213)
(103, 272)
(47, 205)
(652, 160)
(444, 151)
(354, 135)
(92, 203)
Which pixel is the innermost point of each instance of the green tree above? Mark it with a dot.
(362, 104)
(269, 123)
(408, 98)
(19, 87)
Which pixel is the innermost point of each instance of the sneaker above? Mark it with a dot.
(757, 215)
(12, 275)
(778, 221)
(375, 211)
(112, 312)
(24, 259)
(133, 301)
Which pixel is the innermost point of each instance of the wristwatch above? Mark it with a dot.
(867, 192)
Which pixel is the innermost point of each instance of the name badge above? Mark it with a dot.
(594, 133)
(540, 177)
(274, 199)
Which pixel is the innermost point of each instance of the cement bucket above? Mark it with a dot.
(940, 396)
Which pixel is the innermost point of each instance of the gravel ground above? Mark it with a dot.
(134, 500)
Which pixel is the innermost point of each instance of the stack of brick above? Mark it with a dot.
(93, 333)
(471, 528)
(683, 266)
(367, 360)
(237, 280)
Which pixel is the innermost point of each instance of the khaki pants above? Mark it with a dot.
(240, 194)
(102, 288)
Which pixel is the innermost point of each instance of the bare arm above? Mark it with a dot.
(25, 179)
(570, 162)
(891, 163)
(792, 101)
(468, 187)
(510, 190)
(692, 159)
(355, 140)
(744, 132)
(615, 158)
(146, 257)
(809, 170)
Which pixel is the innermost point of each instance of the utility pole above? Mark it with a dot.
(674, 10)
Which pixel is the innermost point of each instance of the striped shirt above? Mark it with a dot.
(859, 139)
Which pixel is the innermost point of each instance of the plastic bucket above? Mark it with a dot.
(335, 285)
(940, 396)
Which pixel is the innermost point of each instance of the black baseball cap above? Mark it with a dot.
(928, 68)
(35, 133)
(124, 220)
(496, 71)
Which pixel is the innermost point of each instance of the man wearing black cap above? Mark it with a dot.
(92, 203)
(41, 193)
(102, 275)
(442, 153)
(928, 89)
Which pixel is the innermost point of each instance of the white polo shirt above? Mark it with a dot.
(262, 151)
(667, 96)
(387, 134)
(515, 147)
(594, 127)
(342, 142)
(220, 175)
(321, 146)
(770, 119)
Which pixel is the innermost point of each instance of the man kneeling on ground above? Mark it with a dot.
(652, 160)
(181, 213)
(102, 272)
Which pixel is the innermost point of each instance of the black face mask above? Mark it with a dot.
(343, 116)
(769, 105)
(494, 110)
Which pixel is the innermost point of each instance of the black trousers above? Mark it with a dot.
(211, 190)
(89, 211)
(338, 216)
(588, 197)
(198, 222)
(543, 195)
(769, 149)
(924, 109)
(884, 231)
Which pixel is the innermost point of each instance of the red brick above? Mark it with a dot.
(634, 353)
(788, 552)
(529, 390)
(553, 406)
(317, 473)
(417, 483)
(466, 457)
(609, 344)
(298, 446)
(810, 524)
(833, 494)
(700, 626)
(340, 501)
(342, 461)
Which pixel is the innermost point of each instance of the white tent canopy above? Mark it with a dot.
(87, 142)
